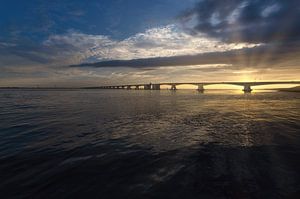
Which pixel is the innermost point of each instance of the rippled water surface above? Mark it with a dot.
(149, 144)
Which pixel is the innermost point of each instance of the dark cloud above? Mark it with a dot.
(273, 22)
(255, 21)
(266, 56)
(26, 53)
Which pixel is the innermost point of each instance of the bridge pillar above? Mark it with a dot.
(247, 88)
(173, 87)
(155, 86)
(147, 87)
(137, 87)
(200, 88)
(128, 87)
(123, 87)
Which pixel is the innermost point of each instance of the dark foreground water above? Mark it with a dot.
(149, 144)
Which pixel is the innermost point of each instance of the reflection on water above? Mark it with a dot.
(149, 144)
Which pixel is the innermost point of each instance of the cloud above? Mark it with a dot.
(253, 21)
(259, 56)
(74, 47)
(166, 53)
(30, 62)
(164, 41)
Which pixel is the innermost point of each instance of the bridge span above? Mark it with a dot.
(247, 86)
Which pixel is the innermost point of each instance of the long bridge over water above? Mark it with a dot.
(200, 85)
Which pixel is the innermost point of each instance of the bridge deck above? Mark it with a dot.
(209, 83)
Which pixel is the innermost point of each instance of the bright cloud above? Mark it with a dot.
(156, 42)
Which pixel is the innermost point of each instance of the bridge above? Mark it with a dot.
(200, 85)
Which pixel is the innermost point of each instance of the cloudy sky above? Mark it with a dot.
(100, 42)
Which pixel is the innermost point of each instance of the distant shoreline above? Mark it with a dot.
(293, 89)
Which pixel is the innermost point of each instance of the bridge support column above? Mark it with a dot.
(123, 87)
(137, 87)
(200, 88)
(128, 87)
(173, 87)
(155, 86)
(247, 88)
(147, 87)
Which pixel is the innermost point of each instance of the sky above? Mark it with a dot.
(103, 42)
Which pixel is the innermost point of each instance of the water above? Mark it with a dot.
(149, 144)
